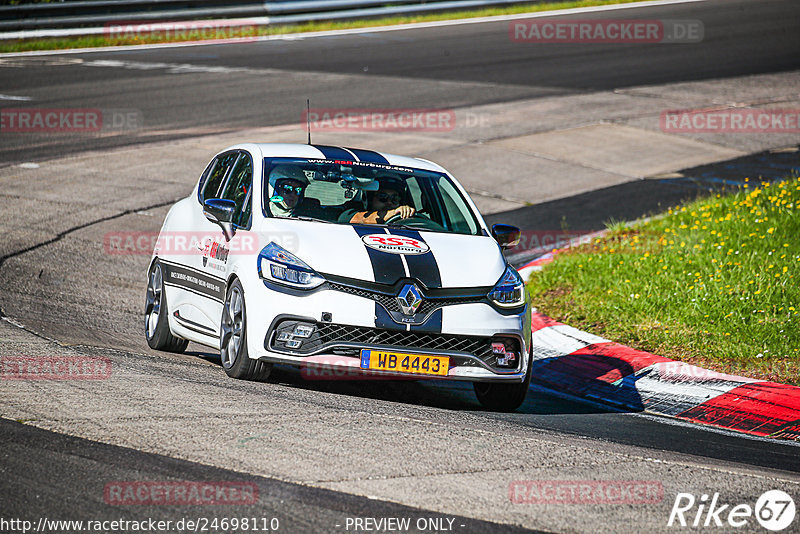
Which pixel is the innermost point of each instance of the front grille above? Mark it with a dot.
(333, 333)
(347, 340)
(389, 301)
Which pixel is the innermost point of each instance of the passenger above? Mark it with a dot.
(382, 204)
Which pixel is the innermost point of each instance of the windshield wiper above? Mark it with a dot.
(311, 219)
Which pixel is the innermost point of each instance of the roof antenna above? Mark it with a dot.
(308, 118)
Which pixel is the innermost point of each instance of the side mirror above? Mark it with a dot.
(506, 235)
(220, 211)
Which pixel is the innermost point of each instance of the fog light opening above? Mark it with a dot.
(292, 335)
(303, 331)
(505, 350)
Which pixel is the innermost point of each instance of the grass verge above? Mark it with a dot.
(27, 45)
(713, 282)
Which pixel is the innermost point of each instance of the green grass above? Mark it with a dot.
(24, 45)
(713, 282)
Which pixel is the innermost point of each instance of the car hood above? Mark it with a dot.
(385, 255)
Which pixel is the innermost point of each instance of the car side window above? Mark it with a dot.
(216, 175)
(238, 186)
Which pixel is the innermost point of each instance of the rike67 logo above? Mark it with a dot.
(774, 510)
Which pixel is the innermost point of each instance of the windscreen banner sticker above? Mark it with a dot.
(394, 244)
(194, 281)
(365, 164)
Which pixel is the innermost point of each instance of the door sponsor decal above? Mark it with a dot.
(194, 281)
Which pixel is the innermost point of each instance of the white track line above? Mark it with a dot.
(16, 98)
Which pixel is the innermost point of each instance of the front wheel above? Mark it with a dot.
(233, 342)
(156, 324)
(500, 397)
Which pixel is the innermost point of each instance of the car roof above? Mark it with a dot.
(275, 150)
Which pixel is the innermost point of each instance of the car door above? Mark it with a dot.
(199, 305)
(237, 188)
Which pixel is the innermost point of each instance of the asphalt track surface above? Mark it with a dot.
(267, 83)
(46, 472)
(33, 459)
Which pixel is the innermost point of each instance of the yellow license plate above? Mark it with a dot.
(402, 362)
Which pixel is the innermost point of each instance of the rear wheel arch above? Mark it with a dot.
(156, 313)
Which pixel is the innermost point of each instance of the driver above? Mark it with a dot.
(382, 204)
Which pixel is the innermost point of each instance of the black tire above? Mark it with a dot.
(500, 397)
(156, 322)
(233, 339)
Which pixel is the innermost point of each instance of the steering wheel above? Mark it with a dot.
(393, 219)
(418, 219)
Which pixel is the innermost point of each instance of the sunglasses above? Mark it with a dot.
(296, 189)
(386, 197)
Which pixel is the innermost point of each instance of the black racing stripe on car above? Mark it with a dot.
(334, 152)
(187, 326)
(423, 267)
(190, 290)
(432, 325)
(194, 281)
(191, 325)
(384, 320)
(369, 156)
(386, 267)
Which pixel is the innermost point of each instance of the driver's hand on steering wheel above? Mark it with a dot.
(404, 212)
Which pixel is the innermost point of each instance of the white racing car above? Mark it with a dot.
(351, 259)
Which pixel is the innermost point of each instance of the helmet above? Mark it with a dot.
(278, 174)
(287, 172)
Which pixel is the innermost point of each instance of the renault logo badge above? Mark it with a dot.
(409, 299)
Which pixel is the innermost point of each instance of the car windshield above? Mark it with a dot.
(365, 193)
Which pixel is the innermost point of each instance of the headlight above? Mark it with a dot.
(509, 292)
(278, 265)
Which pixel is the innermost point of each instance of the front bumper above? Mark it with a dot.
(345, 322)
(338, 346)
